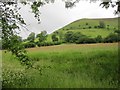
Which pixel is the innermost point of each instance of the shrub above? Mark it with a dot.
(108, 27)
(117, 31)
(29, 45)
(57, 43)
(99, 39)
(15, 79)
(101, 24)
(95, 26)
(39, 44)
(86, 23)
(112, 38)
(89, 27)
(54, 38)
(85, 40)
(69, 36)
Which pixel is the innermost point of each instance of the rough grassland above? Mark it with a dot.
(74, 66)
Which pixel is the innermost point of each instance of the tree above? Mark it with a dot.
(86, 24)
(42, 36)
(31, 37)
(112, 38)
(108, 26)
(101, 24)
(76, 36)
(99, 39)
(68, 36)
(54, 38)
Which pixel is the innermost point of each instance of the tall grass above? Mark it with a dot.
(65, 66)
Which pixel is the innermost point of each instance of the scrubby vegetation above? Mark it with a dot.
(74, 37)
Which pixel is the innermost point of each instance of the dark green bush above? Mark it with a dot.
(89, 27)
(112, 38)
(85, 40)
(54, 38)
(29, 45)
(39, 44)
(95, 26)
(117, 31)
(99, 39)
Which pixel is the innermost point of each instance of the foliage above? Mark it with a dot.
(54, 38)
(48, 43)
(85, 40)
(112, 38)
(29, 44)
(101, 24)
(10, 21)
(68, 36)
(42, 36)
(31, 37)
(78, 38)
(117, 31)
(12, 79)
(99, 39)
(107, 4)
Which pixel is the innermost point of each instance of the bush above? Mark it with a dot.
(86, 23)
(89, 27)
(95, 26)
(112, 38)
(39, 44)
(69, 36)
(99, 39)
(29, 45)
(117, 31)
(54, 38)
(85, 40)
(57, 43)
(15, 79)
(101, 24)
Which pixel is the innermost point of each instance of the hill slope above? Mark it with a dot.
(85, 23)
(90, 27)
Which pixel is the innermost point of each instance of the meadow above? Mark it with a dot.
(64, 66)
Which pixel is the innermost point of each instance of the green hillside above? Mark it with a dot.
(90, 27)
(85, 23)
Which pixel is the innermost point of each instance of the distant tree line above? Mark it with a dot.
(40, 40)
(69, 37)
(78, 38)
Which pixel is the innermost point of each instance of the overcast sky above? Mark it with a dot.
(55, 16)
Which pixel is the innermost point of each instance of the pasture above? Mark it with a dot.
(64, 66)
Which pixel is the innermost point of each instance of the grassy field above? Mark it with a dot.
(65, 66)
